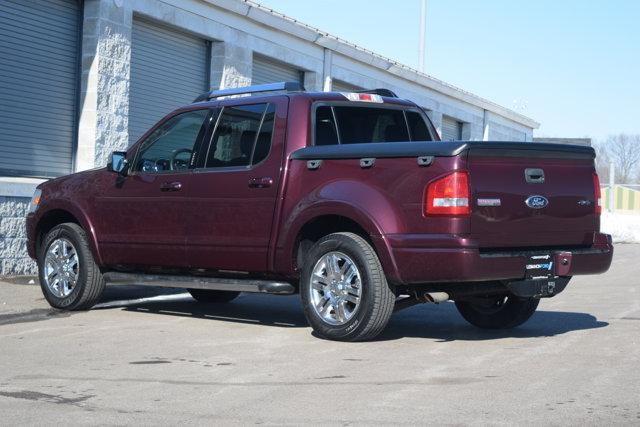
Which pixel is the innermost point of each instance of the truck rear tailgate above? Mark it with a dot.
(532, 197)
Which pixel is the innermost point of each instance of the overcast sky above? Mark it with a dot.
(572, 65)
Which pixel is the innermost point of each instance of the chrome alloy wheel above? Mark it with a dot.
(61, 268)
(336, 288)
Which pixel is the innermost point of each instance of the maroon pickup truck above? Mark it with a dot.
(349, 199)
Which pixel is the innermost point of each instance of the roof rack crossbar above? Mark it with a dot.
(269, 87)
(379, 91)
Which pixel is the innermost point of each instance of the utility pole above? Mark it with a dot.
(423, 31)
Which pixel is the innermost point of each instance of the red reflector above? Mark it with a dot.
(598, 194)
(448, 195)
(365, 97)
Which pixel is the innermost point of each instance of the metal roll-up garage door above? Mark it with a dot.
(266, 70)
(169, 69)
(38, 86)
(451, 129)
(340, 86)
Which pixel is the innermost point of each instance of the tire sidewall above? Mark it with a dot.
(350, 248)
(63, 231)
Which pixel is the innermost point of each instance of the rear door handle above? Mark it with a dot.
(534, 175)
(262, 182)
(171, 186)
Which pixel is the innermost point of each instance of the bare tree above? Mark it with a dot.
(602, 161)
(624, 151)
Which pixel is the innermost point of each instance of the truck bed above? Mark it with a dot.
(388, 182)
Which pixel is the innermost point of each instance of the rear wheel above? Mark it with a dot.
(203, 295)
(344, 291)
(69, 276)
(498, 312)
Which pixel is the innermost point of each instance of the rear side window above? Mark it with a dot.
(242, 136)
(341, 124)
(263, 144)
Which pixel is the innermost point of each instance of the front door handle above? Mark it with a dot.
(171, 186)
(262, 182)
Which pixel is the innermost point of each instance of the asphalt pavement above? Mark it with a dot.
(155, 356)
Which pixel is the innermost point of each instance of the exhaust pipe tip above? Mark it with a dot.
(435, 297)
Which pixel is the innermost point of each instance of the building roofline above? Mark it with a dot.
(282, 22)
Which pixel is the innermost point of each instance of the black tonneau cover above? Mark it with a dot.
(444, 149)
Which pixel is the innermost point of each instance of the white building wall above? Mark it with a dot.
(237, 30)
(501, 129)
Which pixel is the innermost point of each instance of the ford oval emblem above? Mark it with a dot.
(536, 202)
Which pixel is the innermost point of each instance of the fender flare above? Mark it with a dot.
(314, 207)
(79, 214)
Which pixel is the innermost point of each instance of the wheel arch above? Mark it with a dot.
(320, 226)
(62, 214)
(320, 221)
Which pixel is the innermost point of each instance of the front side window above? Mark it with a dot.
(242, 136)
(340, 124)
(170, 146)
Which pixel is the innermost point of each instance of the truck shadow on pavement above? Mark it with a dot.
(443, 323)
(440, 322)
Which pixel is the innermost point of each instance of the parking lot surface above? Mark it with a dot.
(153, 356)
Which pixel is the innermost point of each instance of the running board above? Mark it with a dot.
(196, 282)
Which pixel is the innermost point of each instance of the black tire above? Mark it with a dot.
(498, 312)
(207, 296)
(377, 297)
(90, 284)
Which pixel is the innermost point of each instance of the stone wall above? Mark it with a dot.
(104, 85)
(13, 250)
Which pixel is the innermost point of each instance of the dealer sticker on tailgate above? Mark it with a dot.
(539, 267)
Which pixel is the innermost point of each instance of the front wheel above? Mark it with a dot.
(344, 291)
(69, 276)
(499, 312)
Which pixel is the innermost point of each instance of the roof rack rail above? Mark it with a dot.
(380, 91)
(269, 87)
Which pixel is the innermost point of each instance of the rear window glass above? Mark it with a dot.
(356, 125)
(417, 127)
(326, 133)
(361, 124)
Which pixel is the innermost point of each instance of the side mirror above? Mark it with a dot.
(118, 163)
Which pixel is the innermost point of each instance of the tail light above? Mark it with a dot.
(448, 195)
(598, 194)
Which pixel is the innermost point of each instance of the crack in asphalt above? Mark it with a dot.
(44, 397)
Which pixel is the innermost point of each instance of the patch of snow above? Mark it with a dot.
(624, 228)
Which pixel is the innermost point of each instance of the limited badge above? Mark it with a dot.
(489, 202)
